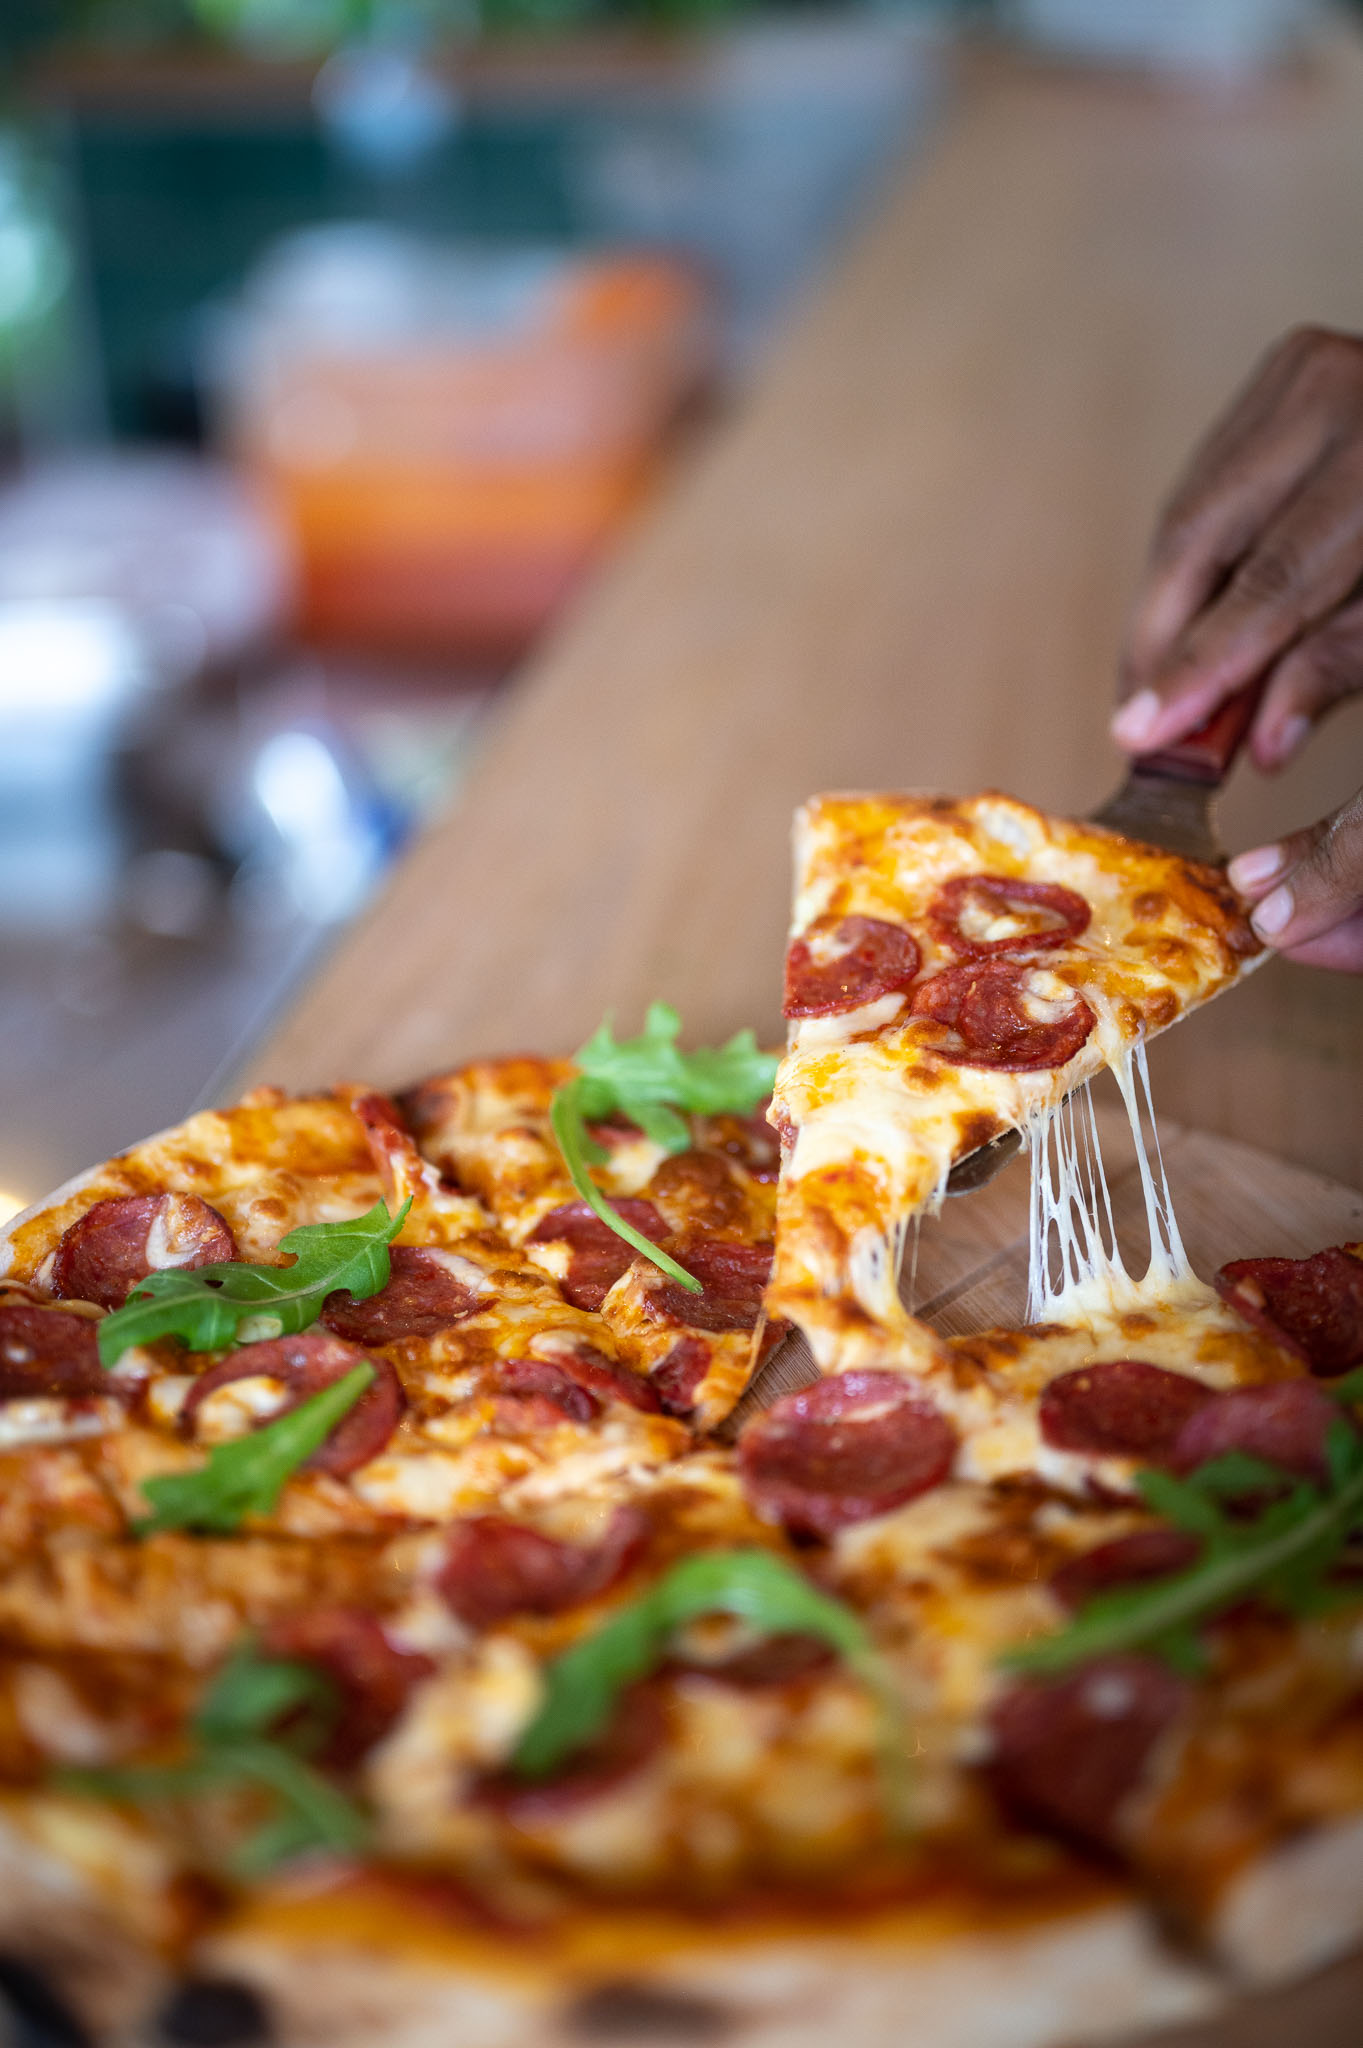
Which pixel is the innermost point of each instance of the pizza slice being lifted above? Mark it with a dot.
(957, 966)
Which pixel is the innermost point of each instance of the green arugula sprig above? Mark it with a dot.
(246, 1475)
(236, 1739)
(583, 1686)
(233, 1303)
(1282, 1554)
(650, 1081)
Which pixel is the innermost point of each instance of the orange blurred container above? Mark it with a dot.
(452, 438)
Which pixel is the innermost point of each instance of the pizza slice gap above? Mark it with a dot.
(957, 968)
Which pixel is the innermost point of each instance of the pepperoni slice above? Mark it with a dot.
(1069, 1753)
(117, 1243)
(851, 1446)
(421, 1297)
(534, 1381)
(636, 1733)
(966, 910)
(578, 1373)
(1313, 1307)
(306, 1364)
(1125, 1561)
(599, 1255)
(1286, 1423)
(1121, 1408)
(986, 1005)
(733, 1276)
(494, 1568)
(677, 1377)
(839, 963)
(372, 1677)
(45, 1351)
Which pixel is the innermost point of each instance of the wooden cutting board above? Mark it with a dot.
(1232, 1202)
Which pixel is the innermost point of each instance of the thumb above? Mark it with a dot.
(1308, 890)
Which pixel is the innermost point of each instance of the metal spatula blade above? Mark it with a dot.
(1166, 800)
(1167, 797)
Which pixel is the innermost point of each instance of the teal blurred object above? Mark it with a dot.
(177, 208)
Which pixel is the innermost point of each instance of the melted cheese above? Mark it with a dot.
(1076, 1271)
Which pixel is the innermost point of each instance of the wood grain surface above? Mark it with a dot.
(902, 562)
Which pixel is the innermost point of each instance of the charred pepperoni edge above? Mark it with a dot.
(733, 1274)
(878, 959)
(373, 1678)
(63, 1355)
(494, 1568)
(103, 1254)
(1125, 1561)
(421, 1297)
(636, 1733)
(1312, 1307)
(854, 1445)
(1067, 1754)
(982, 1004)
(306, 1364)
(1120, 1407)
(599, 1254)
(1283, 1421)
(1071, 912)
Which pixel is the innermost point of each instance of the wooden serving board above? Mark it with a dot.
(1232, 1202)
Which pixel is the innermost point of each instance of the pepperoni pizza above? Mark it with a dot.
(391, 1650)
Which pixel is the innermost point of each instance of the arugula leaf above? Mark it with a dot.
(648, 1080)
(233, 1303)
(584, 1684)
(580, 1150)
(246, 1475)
(251, 1693)
(1282, 1554)
(651, 1072)
(1349, 1389)
(231, 1744)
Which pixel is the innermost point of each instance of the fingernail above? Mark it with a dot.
(1133, 724)
(1273, 914)
(1260, 864)
(1291, 733)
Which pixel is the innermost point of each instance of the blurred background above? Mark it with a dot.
(340, 343)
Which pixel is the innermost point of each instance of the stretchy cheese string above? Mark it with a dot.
(1075, 1263)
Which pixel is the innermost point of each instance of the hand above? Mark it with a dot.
(1308, 891)
(1257, 564)
(1256, 573)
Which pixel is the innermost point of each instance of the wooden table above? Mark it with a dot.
(902, 561)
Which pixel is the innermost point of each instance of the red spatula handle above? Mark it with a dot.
(1205, 755)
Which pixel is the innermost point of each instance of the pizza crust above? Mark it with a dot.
(1094, 1976)
(1294, 1910)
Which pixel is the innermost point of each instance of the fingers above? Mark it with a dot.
(1318, 672)
(1240, 475)
(1308, 890)
(1262, 541)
